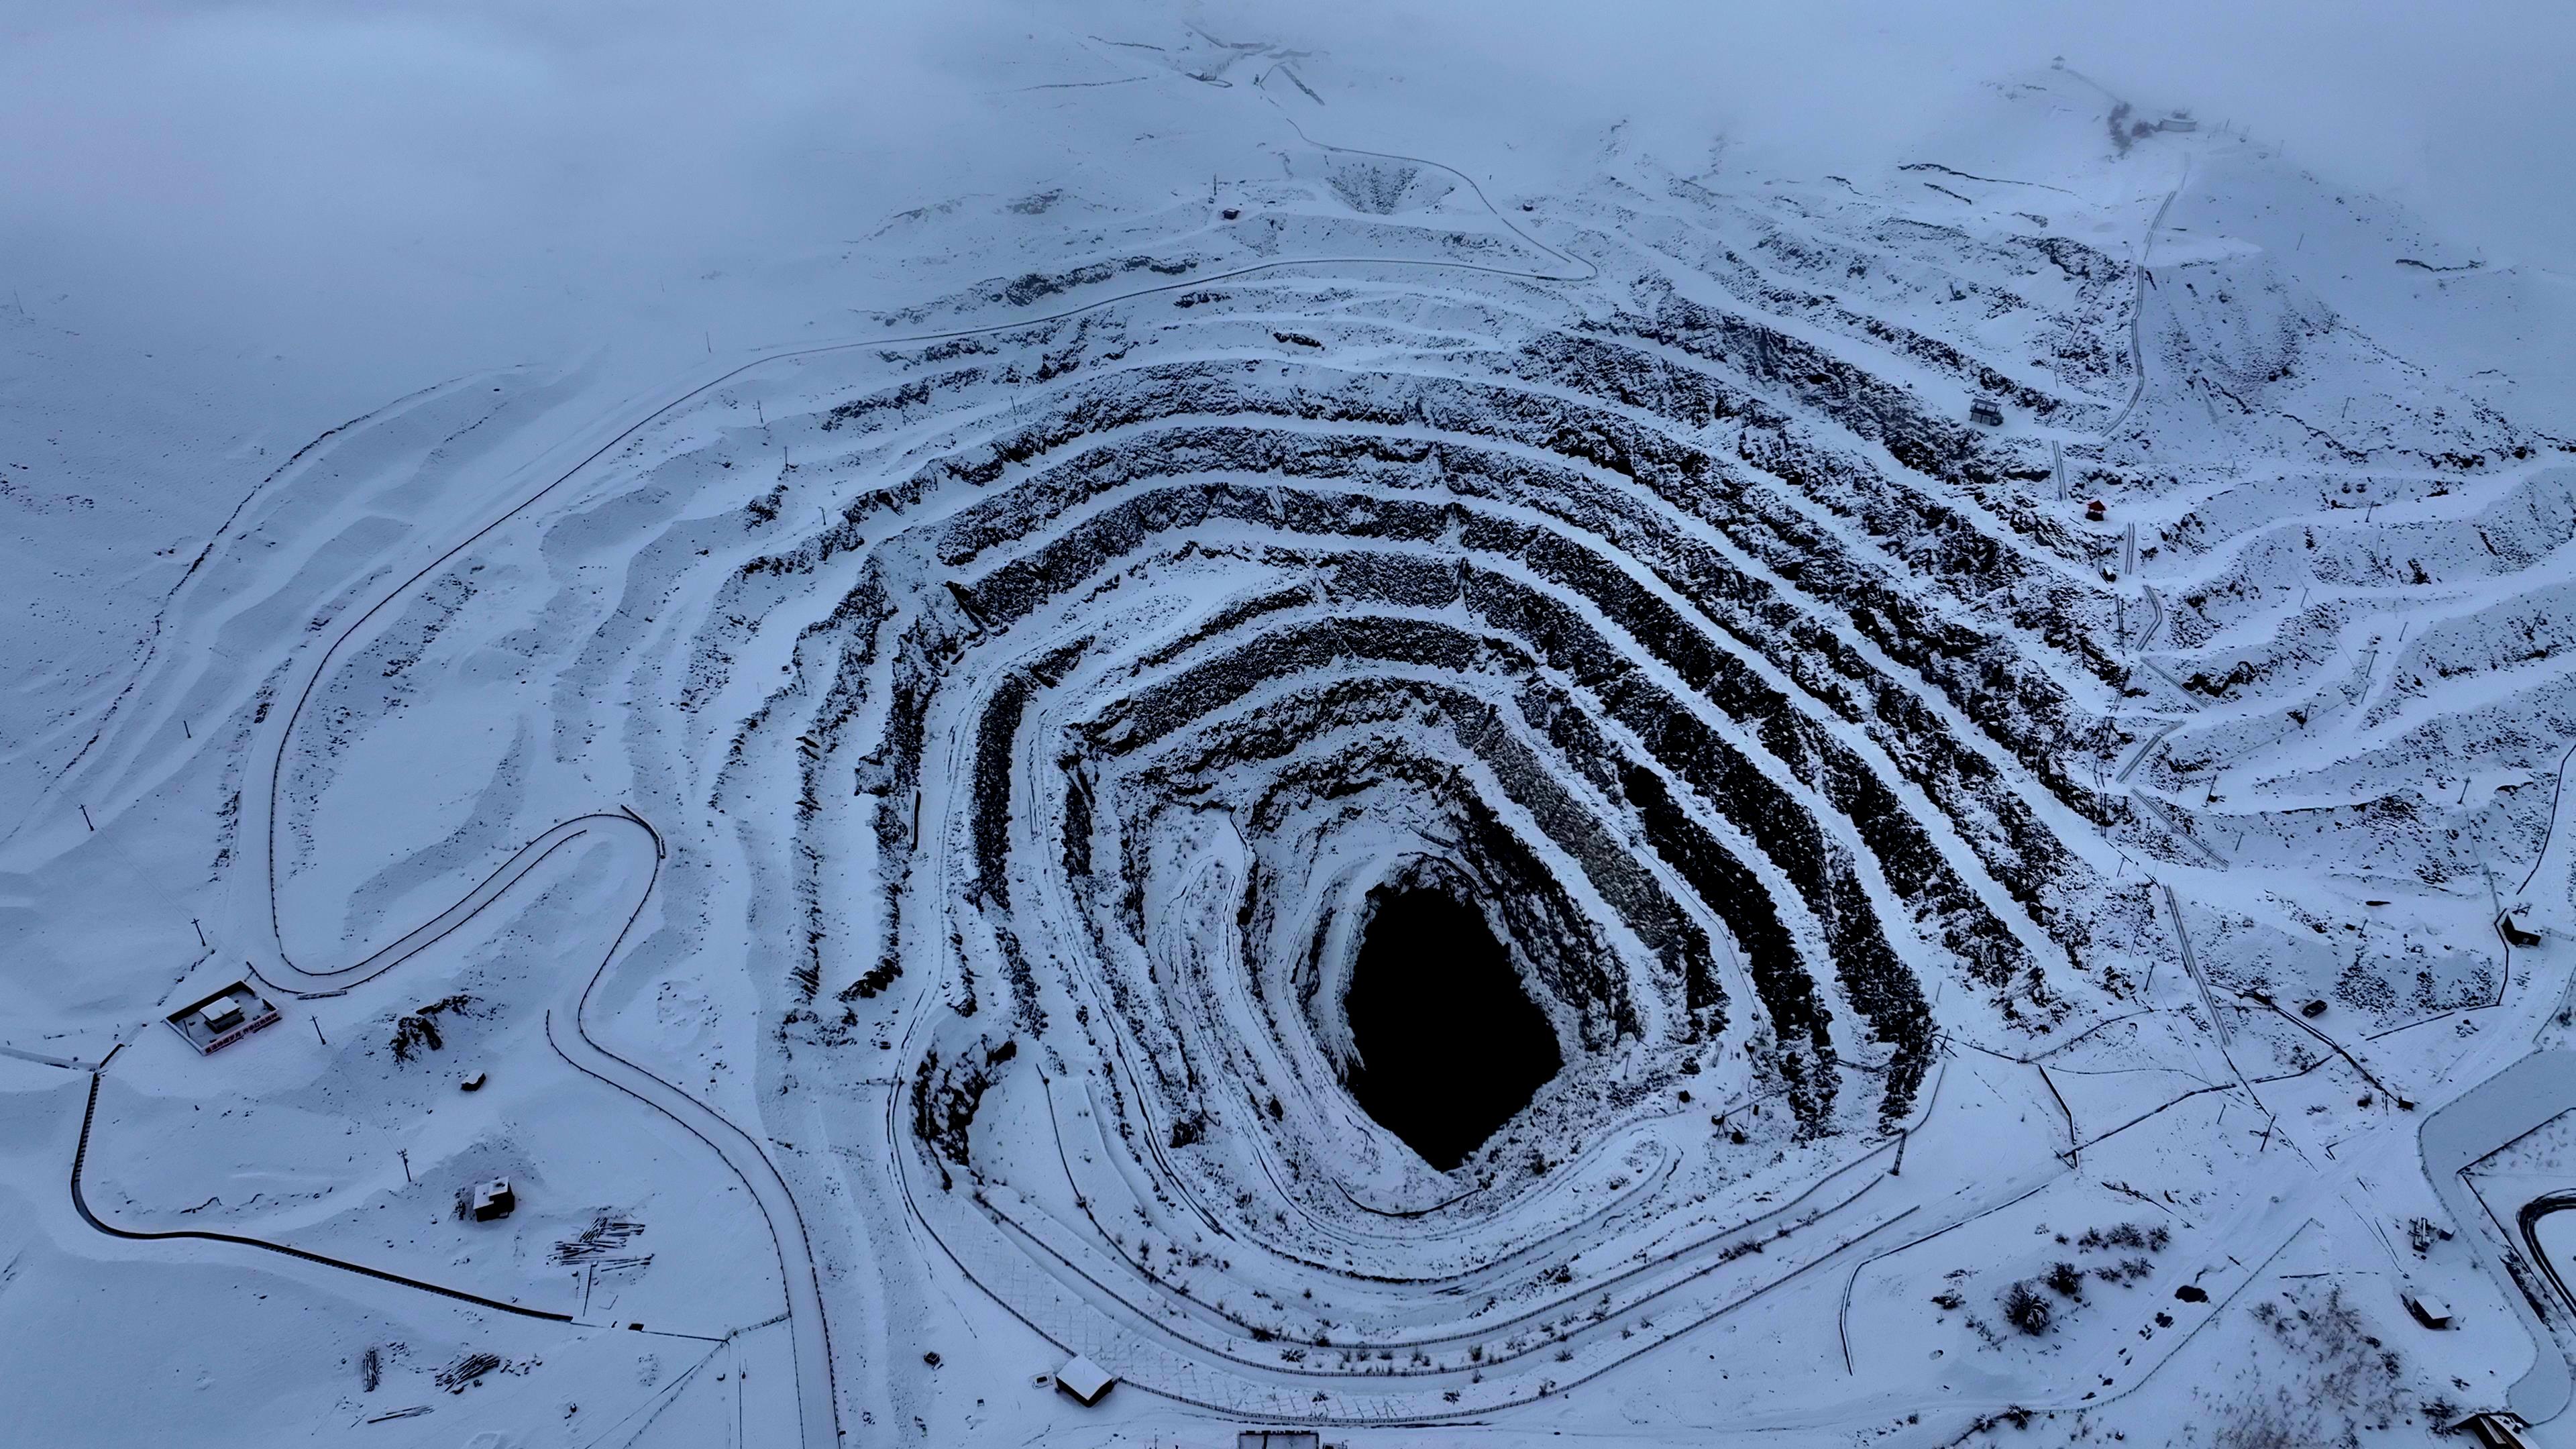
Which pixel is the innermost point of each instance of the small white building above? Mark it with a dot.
(226, 1017)
(493, 1200)
(1087, 1382)
(2429, 1311)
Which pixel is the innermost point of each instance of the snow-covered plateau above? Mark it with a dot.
(2047, 903)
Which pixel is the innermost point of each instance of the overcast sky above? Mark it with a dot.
(383, 189)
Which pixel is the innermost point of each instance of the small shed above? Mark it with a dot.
(2493, 1428)
(1277, 1439)
(493, 1200)
(2429, 1311)
(1985, 414)
(1087, 1382)
(2178, 121)
(226, 1017)
(2514, 932)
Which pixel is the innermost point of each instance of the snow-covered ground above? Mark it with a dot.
(892, 815)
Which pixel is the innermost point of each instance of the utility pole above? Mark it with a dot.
(405, 1155)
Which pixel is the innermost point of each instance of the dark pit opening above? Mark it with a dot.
(1450, 1046)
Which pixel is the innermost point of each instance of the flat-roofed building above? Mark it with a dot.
(220, 1020)
(2429, 1311)
(1087, 1383)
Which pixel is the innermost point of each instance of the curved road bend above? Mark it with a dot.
(2516, 1100)
(817, 1404)
(80, 1204)
(2527, 1220)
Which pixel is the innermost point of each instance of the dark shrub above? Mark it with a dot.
(2026, 1310)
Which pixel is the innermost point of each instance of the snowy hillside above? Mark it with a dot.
(2031, 910)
